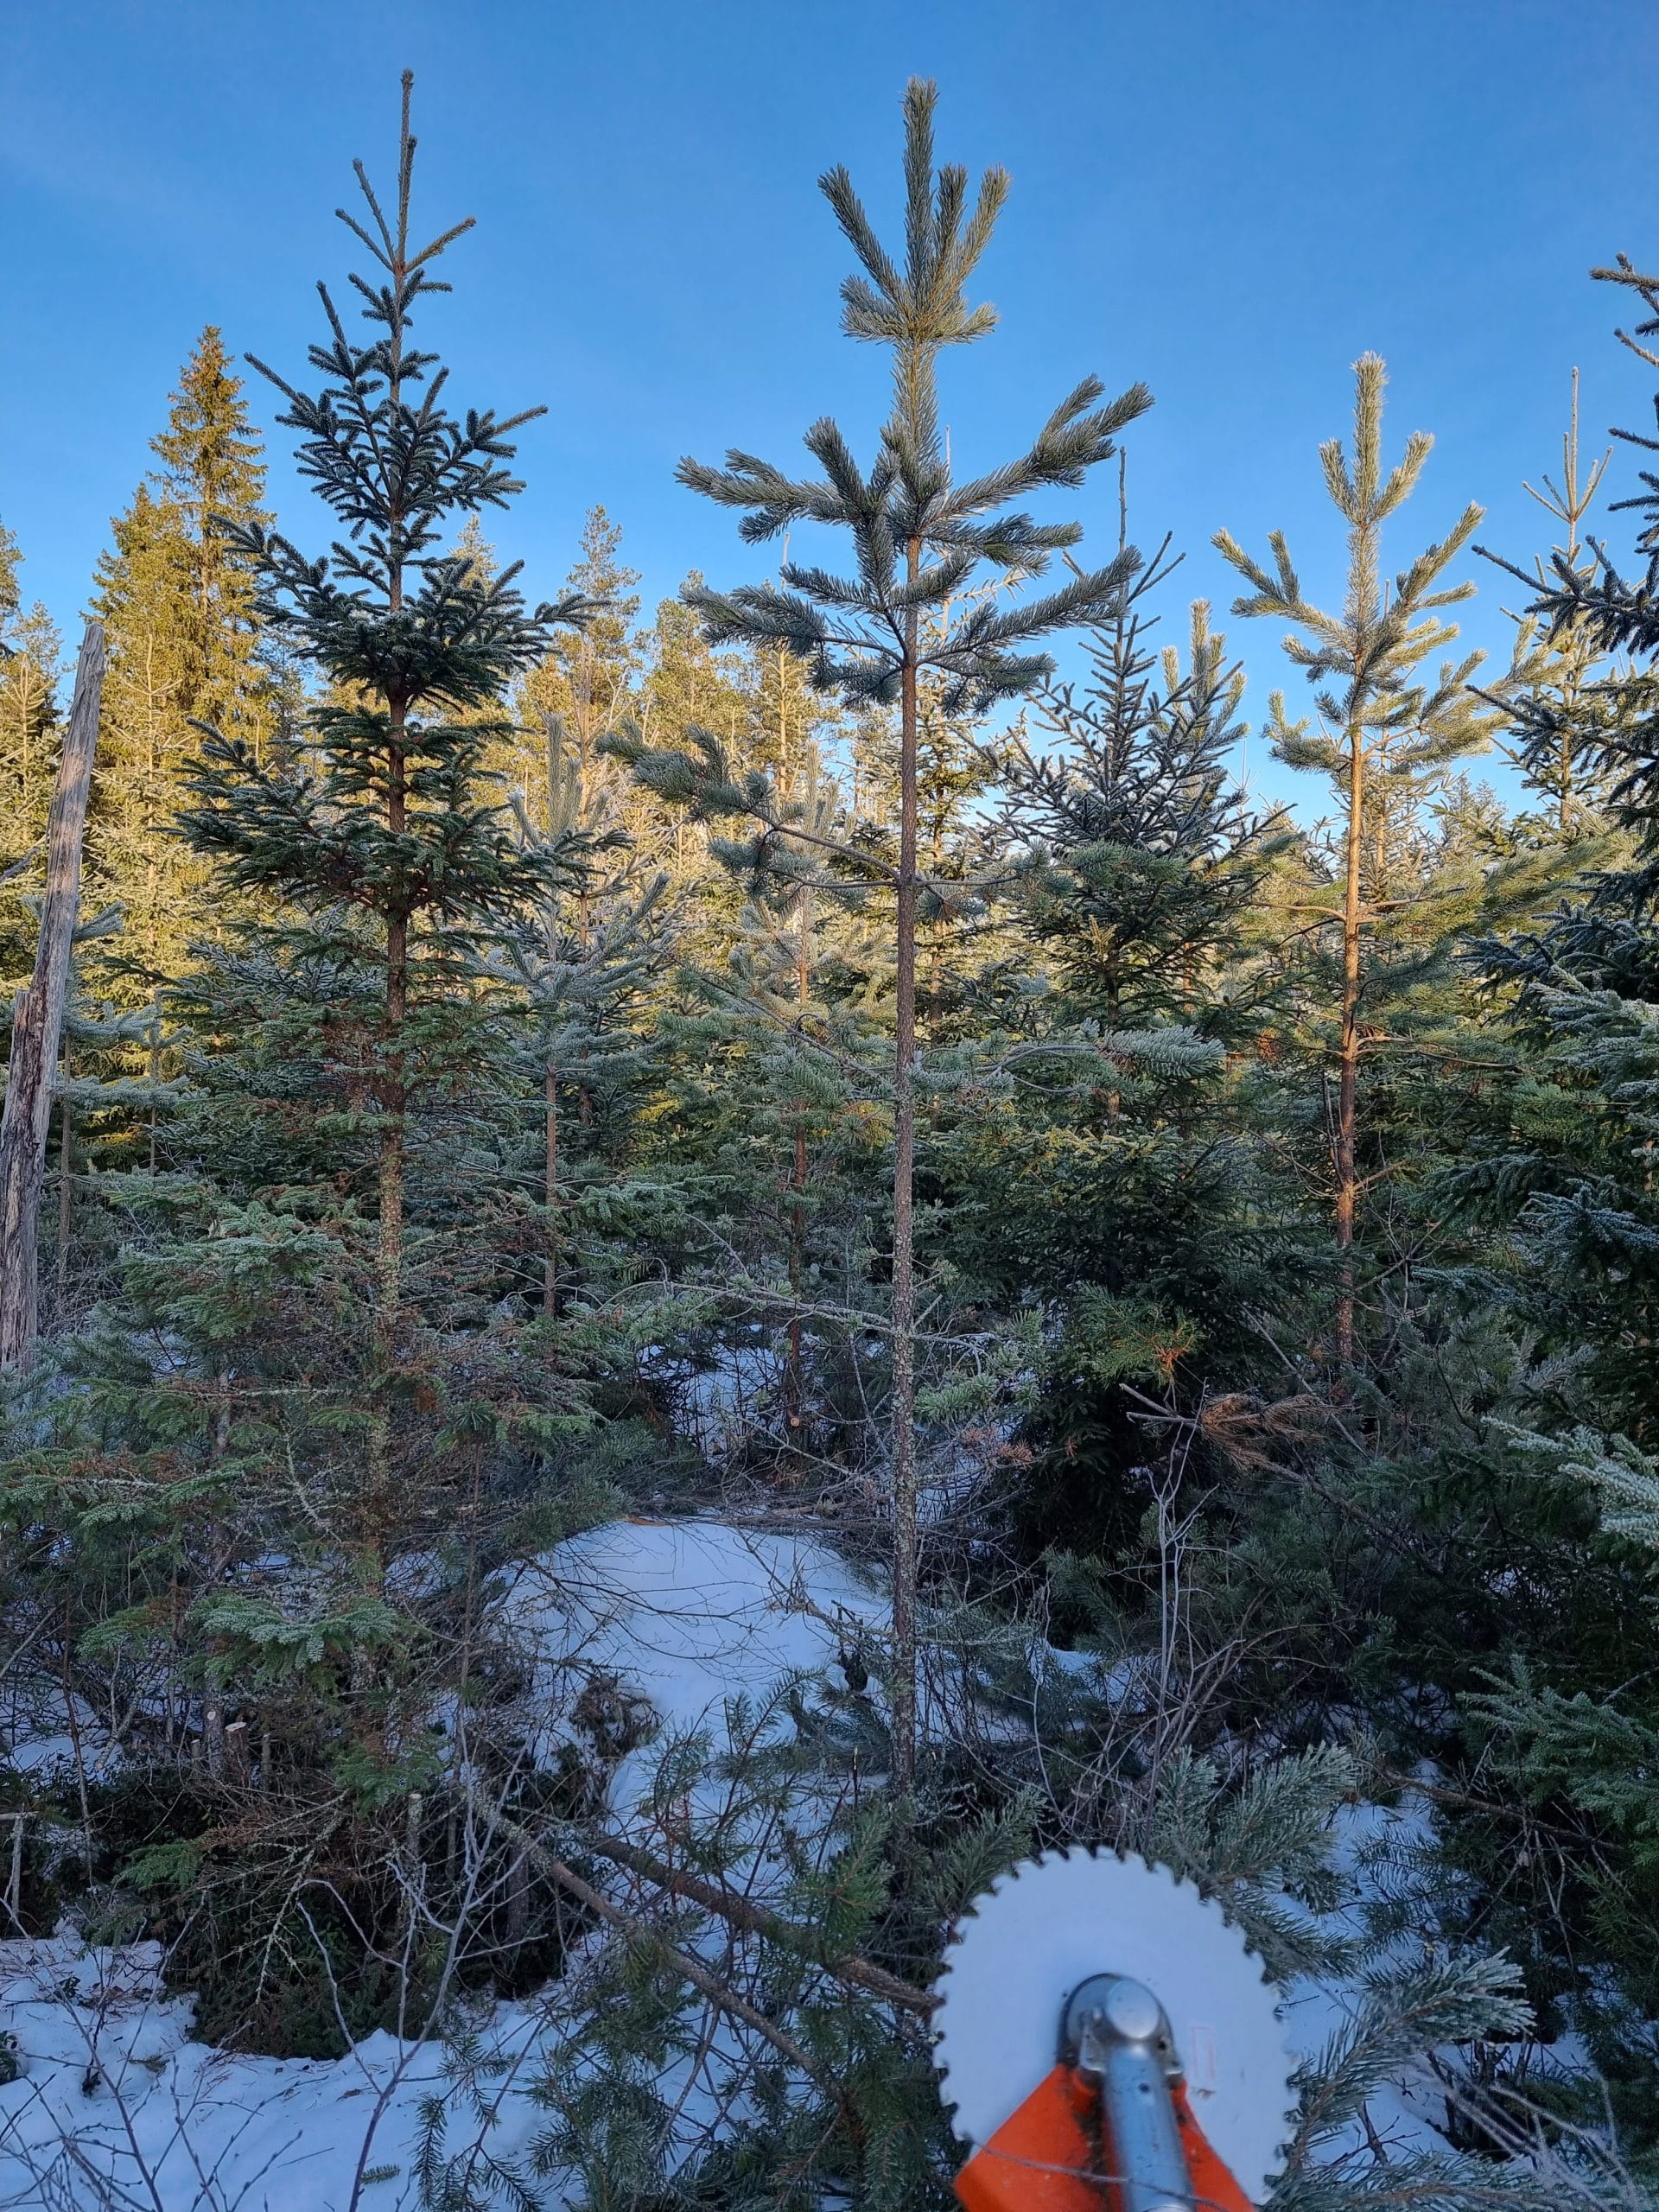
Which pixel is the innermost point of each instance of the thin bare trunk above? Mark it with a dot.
(685, 1963)
(551, 1098)
(793, 1383)
(390, 1088)
(392, 1106)
(742, 1912)
(393, 1100)
(903, 1279)
(37, 1020)
(155, 1066)
(15, 1879)
(1348, 1045)
(65, 1188)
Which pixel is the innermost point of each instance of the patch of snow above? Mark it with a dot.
(1315, 2010)
(721, 1403)
(690, 1614)
(115, 2107)
(39, 1731)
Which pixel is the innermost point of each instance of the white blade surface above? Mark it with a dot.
(1048, 1924)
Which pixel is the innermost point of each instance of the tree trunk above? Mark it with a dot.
(550, 1107)
(37, 1019)
(393, 1100)
(1348, 1048)
(154, 1064)
(794, 1386)
(65, 1188)
(555, 729)
(904, 1282)
(393, 1107)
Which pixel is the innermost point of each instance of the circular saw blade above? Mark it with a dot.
(1046, 1925)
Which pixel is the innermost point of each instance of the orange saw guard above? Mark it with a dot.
(1045, 2157)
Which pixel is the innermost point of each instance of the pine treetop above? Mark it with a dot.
(918, 535)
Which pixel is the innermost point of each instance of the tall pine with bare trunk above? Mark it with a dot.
(921, 536)
(1381, 725)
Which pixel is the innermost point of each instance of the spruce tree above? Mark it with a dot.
(686, 684)
(1557, 1171)
(321, 1378)
(1571, 1169)
(29, 670)
(31, 653)
(919, 536)
(1154, 850)
(31, 656)
(213, 470)
(1115, 1162)
(580, 963)
(587, 675)
(386, 825)
(776, 1053)
(176, 599)
(30, 679)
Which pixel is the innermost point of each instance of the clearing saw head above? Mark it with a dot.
(1106, 2035)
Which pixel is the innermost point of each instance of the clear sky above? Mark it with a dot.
(1229, 199)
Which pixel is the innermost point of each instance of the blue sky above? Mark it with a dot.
(1229, 199)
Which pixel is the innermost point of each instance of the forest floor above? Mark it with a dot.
(116, 2106)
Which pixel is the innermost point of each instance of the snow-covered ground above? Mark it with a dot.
(115, 2107)
(688, 1614)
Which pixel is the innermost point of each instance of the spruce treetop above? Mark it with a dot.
(1145, 744)
(416, 635)
(387, 608)
(211, 460)
(10, 561)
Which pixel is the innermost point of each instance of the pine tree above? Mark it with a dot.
(1552, 693)
(918, 535)
(1382, 729)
